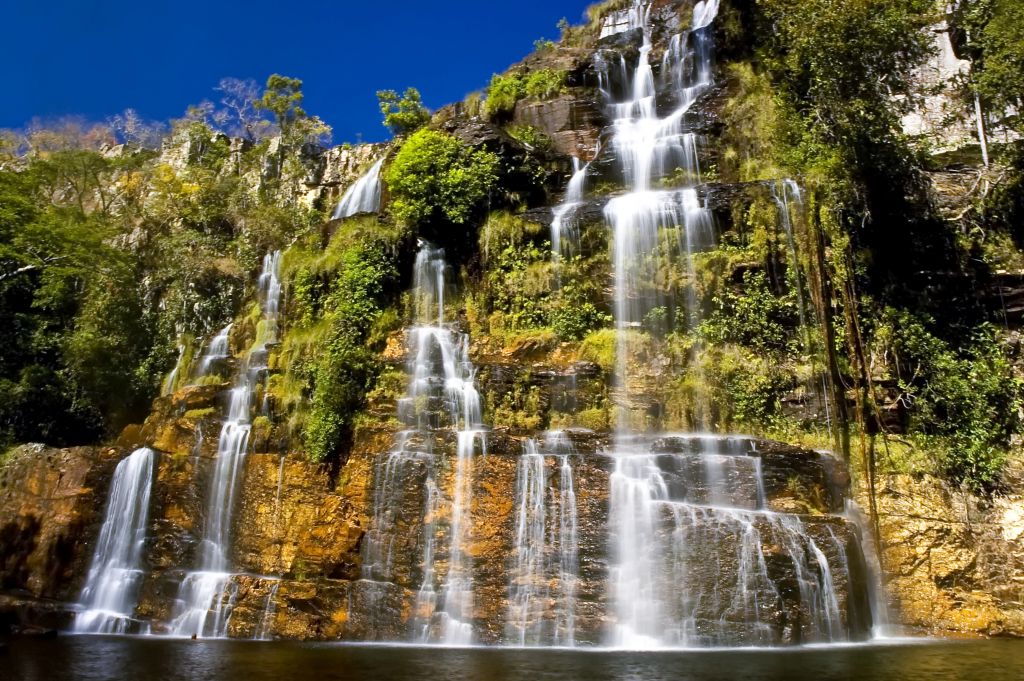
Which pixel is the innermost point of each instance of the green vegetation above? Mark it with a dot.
(404, 114)
(436, 177)
(964, 400)
(329, 356)
(107, 259)
(506, 90)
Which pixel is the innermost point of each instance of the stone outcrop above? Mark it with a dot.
(954, 561)
(51, 500)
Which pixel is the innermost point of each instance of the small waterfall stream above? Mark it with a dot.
(217, 351)
(441, 397)
(542, 584)
(361, 197)
(564, 236)
(111, 587)
(206, 596)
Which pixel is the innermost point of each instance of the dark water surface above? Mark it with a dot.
(93, 657)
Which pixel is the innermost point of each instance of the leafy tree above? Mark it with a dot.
(994, 39)
(403, 114)
(436, 177)
(282, 98)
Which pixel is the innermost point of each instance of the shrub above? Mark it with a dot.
(403, 115)
(755, 317)
(966, 400)
(573, 316)
(435, 176)
(506, 90)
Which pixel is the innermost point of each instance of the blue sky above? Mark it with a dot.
(95, 58)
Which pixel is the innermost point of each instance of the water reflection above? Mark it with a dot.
(100, 658)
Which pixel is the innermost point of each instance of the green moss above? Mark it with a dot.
(199, 414)
(595, 418)
(599, 347)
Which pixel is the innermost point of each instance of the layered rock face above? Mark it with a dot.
(954, 561)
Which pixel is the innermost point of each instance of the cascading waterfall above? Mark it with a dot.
(564, 236)
(441, 374)
(206, 596)
(528, 592)
(689, 529)
(695, 546)
(111, 588)
(361, 197)
(546, 568)
(653, 225)
(217, 351)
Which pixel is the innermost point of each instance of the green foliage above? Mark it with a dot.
(502, 95)
(966, 399)
(746, 388)
(282, 97)
(506, 90)
(403, 114)
(754, 317)
(339, 308)
(573, 316)
(599, 347)
(994, 32)
(436, 177)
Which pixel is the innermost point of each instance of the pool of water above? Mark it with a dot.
(95, 657)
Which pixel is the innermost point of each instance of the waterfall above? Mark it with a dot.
(542, 586)
(111, 588)
(441, 396)
(206, 596)
(361, 197)
(269, 608)
(217, 351)
(172, 378)
(649, 224)
(564, 236)
(696, 551)
(528, 591)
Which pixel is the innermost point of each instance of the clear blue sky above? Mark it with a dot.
(95, 58)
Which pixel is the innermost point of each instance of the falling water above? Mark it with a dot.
(693, 541)
(171, 382)
(217, 351)
(441, 395)
(206, 596)
(528, 593)
(111, 588)
(361, 197)
(696, 545)
(269, 608)
(564, 237)
(542, 586)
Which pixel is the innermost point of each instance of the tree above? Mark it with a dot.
(994, 37)
(435, 176)
(130, 128)
(403, 115)
(282, 97)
